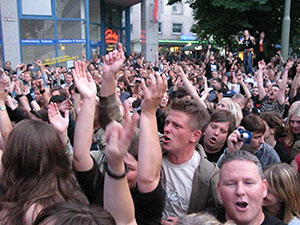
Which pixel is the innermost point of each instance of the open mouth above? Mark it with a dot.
(241, 205)
(213, 140)
(166, 139)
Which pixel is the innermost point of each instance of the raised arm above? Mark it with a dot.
(150, 154)
(84, 126)
(5, 123)
(295, 83)
(260, 81)
(58, 122)
(117, 198)
(243, 85)
(283, 83)
(188, 86)
(112, 63)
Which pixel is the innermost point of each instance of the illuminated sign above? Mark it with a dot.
(111, 37)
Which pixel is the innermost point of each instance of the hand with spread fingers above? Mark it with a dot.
(59, 122)
(84, 81)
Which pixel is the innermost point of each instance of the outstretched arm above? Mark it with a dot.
(5, 123)
(260, 81)
(150, 154)
(188, 86)
(295, 83)
(84, 126)
(117, 198)
(282, 87)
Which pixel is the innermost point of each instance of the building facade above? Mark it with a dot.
(58, 31)
(174, 27)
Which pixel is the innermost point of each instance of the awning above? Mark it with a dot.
(192, 47)
(123, 2)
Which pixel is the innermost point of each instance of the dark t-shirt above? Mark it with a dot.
(148, 206)
(220, 215)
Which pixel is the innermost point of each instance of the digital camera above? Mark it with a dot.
(245, 136)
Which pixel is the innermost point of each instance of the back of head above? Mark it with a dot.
(70, 213)
(284, 183)
(223, 116)
(242, 155)
(274, 121)
(199, 116)
(36, 150)
(234, 108)
(198, 219)
(253, 123)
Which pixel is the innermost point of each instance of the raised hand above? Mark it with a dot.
(118, 137)
(84, 81)
(261, 65)
(289, 65)
(154, 93)
(3, 90)
(113, 62)
(65, 105)
(58, 122)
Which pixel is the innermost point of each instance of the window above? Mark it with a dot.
(177, 8)
(95, 14)
(177, 28)
(37, 29)
(70, 9)
(70, 29)
(37, 8)
(159, 28)
(43, 52)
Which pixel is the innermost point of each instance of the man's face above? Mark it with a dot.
(177, 132)
(216, 85)
(242, 191)
(273, 93)
(295, 124)
(215, 136)
(257, 140)
(68, 79)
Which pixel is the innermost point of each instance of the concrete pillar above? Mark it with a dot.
(149, 33)
(10, 31)
(285, 33)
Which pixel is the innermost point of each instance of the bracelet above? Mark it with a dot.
(111, 174)
(19, 96)
(42, 91)
(29, 97)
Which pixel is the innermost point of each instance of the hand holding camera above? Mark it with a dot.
(237, 138)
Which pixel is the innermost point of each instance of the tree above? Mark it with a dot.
(224, 19)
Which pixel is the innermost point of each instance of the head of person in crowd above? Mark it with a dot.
(273, 92)
(165, 102)
(221, 124)
(184, 126)
(199, 219)
(240, 99)
(256, 125)
(68, 79)
(41, 174)
(293, 125)
(255, 91)
(242, 188)
(216, 84)
(233, 107)
(71, 213)
(27, 78)
(274, 127)
(283, 198)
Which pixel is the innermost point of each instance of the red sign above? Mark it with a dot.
(111, 37)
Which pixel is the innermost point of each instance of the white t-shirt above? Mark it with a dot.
(179, 179)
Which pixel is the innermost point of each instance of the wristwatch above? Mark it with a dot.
(2, 108)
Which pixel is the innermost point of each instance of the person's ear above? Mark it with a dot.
(265, 187)
(196, 136)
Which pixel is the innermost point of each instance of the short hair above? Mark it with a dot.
(253, 123)
(239, 96)
(222, 115)
(198, 218)
(199, 116)
(71, 213)
(242, 155)
(284, 182)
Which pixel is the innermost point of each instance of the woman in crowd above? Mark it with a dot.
(283, 198)
(275, 129)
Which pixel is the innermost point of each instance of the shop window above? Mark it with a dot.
(43, 52)
(95, 32)
(70, 9)
(69, 52)
(177, 8)
(95, 13)
(37, 8)
(37, 29)
(71, 30)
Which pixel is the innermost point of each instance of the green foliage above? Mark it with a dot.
(224, 19)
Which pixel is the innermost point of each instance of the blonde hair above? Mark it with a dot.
(234, 108)
(294, 110)
(284, 183)
(201, 219)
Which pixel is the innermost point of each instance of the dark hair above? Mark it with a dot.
(36, 170)
(222, 115)
(253, 123)
(274, 120)
(199, 116)
(70, 213)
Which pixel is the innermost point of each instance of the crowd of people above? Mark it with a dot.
(120, 140)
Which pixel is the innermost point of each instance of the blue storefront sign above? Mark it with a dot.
(52, 41)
